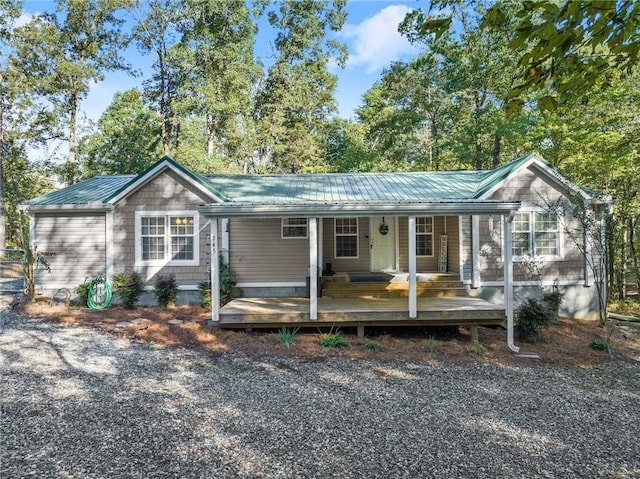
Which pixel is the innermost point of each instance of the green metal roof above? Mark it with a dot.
(93, 190)
(317, 189)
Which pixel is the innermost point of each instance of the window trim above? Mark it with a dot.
(283, 225)
(531, 211)
(432, 234)
(167, 247)
(356, 235)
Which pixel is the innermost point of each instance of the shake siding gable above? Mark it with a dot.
(533, 189)
(166, 192)
(74, 247)
(258, 253)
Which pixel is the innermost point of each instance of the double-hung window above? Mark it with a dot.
(293, 228)
(536, 234)
(346, 237)
(167, 238)
(424, 236)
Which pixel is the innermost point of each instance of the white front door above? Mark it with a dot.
(382, 238)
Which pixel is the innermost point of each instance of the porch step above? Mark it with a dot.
(341, 287)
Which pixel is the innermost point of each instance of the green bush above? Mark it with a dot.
(374, 346)
(129, 287)
(166, 290)
(82, 293)
(553, 300)
(532, 317)
(204, 289)
(287, 335)
(334, 340)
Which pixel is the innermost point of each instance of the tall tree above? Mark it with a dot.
(63, 52)
(220, 71)
(9, 12)
(156, 32)
(297, 96)
(127, 140)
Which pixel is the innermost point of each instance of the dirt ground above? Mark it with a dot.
(566, 343)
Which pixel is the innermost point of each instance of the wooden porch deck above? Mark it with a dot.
(432, 311)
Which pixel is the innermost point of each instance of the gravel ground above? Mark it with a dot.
(81, 404)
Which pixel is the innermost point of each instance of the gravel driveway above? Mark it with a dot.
(81, 404)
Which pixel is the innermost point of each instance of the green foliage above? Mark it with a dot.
(204, 289)
(374, 346)
(166, 290)
(287, 335)
(606, 344)
(534, 316)
(129, 286)
(478, 349)
(227, 285)
(82, 293)
(431, 346)
(334, 339)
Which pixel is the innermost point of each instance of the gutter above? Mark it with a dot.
(66, 208)
(324, 210)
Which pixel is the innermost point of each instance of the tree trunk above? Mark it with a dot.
(211, 135)
(3, 149)
(497, 149)
(634, 251)
(71, 166)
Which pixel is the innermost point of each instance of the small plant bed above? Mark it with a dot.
(567, 342)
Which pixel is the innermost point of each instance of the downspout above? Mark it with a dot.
(508, 278)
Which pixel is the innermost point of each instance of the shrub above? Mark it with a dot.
(287, 335)
(204, 289)
(553, 300)
(374, 346)
(166, 290)
(129, 287)
(334, 340)
(532, 317)
(82, 293)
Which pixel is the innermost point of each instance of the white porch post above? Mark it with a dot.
(508, 280)
(475, 251)
(215, 272)
(313, 268)
(413, 289)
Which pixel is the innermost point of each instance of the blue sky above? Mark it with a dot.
(370, 33)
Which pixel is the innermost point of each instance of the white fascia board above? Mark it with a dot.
(69, 208)
(360, 209)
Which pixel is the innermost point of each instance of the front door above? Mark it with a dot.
(382, 239)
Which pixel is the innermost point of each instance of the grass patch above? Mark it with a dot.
(374, 346)
(287, 335)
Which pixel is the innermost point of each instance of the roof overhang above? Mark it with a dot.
(472, 207)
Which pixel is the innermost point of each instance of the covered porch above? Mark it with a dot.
(411, 307)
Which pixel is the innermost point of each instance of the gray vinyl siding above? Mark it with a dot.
(353, 265)
(165, 192)
(259, 254)
(74, 247)
(426, 264)
(533, 190)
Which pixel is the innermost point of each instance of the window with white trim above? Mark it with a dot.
(346, 237)
(424, 236)
(167, 238)
(536, 234)
(293, 228)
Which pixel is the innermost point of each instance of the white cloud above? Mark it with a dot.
(22, 20)
(375, 42)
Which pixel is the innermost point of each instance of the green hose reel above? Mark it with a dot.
(99, 294)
